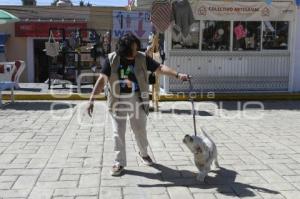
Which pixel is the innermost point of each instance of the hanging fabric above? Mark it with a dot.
(161, 14)
(268, 25)
(250, 42)
(183, 16)
(240, 32)
(131, 4)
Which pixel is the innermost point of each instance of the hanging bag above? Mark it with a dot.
(52, 46)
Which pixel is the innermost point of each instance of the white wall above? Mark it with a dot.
(296, 72)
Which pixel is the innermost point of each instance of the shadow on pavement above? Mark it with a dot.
(223, 181)
(41, 106)
(185, 112)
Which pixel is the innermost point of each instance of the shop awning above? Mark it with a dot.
(3, 39)
(6, 17)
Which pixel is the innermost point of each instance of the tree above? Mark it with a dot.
(29, 2)
(81, 4)
(54, 3)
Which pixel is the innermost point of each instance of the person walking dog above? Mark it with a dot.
(126, 74)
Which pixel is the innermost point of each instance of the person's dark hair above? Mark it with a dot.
(124, 45)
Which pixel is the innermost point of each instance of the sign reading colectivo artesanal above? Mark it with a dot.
(243, 11)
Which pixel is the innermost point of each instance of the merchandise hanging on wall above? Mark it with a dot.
(185, 33)
(161, 14)
(240, 32)
(275, 35)
(52, 46)
(215, 35)
(82, 52)
(183, 16)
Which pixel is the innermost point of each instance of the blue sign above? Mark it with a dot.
(298, 2)
(137, 22)
(3, 39)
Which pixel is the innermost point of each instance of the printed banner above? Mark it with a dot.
(137, 22)
(243, 11)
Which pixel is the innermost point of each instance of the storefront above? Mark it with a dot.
(235, 46)
(36, 34)
(30, 34)
(295, 84)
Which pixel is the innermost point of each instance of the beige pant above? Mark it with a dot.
(128, 107)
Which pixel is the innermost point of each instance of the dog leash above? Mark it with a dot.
(193, 106)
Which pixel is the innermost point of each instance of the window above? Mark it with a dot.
(215, 35)
(275, 35)
(246, 35)
(189, 41)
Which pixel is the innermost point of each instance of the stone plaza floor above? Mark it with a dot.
(53, 150)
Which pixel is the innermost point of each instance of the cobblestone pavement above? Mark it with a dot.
(63, 154)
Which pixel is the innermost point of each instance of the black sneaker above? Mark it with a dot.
(116, 170)
(146, 160)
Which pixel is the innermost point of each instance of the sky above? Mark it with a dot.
(75, 2)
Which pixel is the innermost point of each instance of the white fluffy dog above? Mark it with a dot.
(205, 152)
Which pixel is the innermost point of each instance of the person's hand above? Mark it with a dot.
(90, 108)
(183, 77)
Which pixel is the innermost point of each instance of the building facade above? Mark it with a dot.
(27, 38)
(295, 74)
(235, 46)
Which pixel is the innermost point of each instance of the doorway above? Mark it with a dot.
(41, 64)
